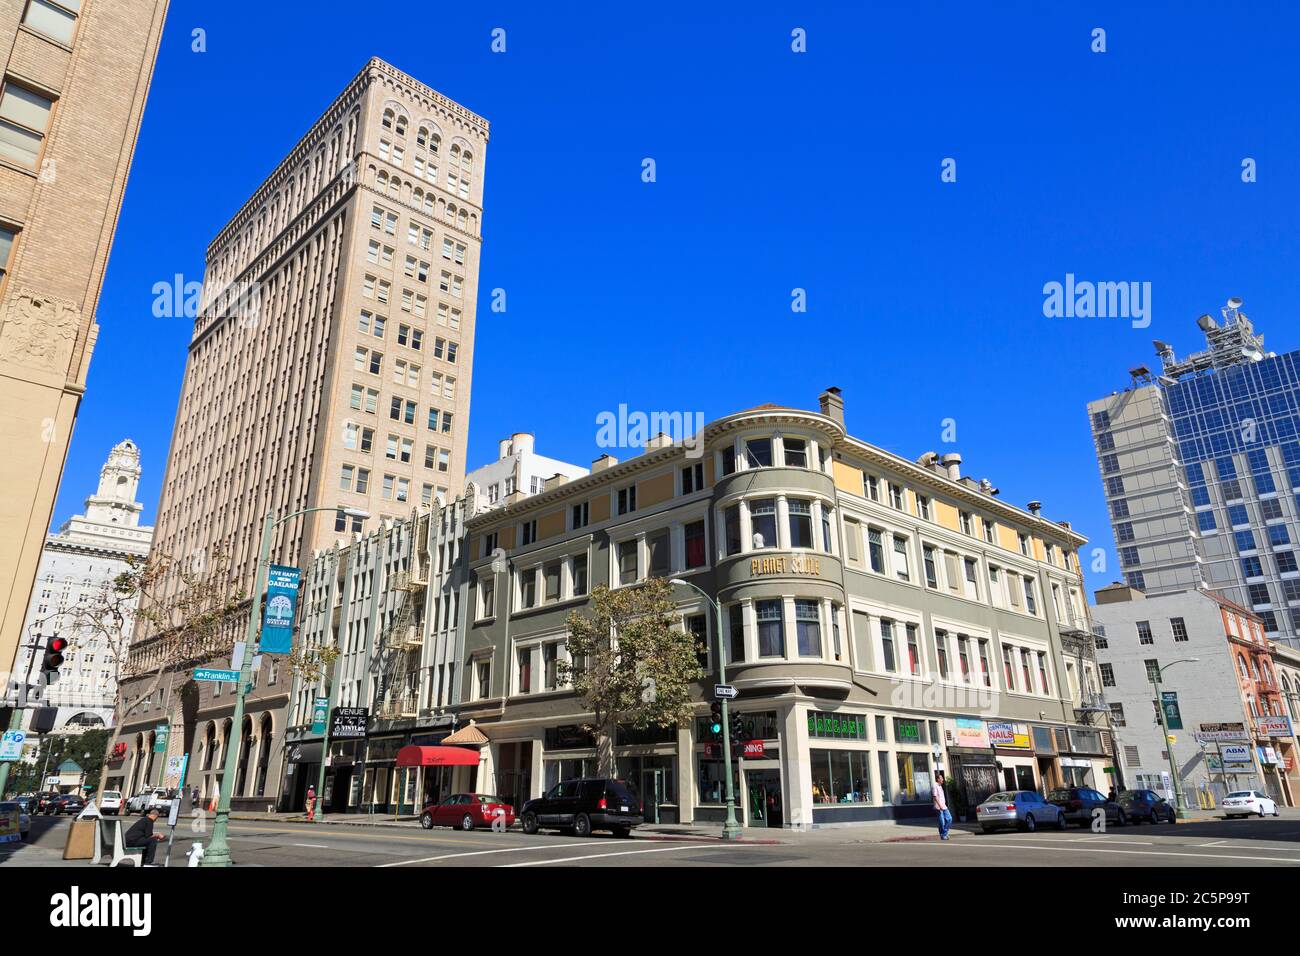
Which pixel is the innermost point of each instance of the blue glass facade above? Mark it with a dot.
(1212, 414)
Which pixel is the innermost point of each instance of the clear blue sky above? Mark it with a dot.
(775, 171)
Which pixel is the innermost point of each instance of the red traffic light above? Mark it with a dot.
(58, 644)
(54, 654)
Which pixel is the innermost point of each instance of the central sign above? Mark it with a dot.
(786, 564)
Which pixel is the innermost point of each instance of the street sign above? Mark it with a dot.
(348, 723)
(161, 733)
(11, 746)
(211, 674)
(281, 607)
(724, 690)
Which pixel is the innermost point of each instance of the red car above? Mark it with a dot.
(467, 811)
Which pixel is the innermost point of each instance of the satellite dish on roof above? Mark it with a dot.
(1234, 302)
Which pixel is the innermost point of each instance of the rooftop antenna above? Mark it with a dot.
(1230, 310)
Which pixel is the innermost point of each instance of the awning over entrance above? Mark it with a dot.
(436, 757)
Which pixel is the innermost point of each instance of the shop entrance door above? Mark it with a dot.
(652, 794)
(764, 790)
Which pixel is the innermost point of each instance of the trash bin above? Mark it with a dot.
(81, 840)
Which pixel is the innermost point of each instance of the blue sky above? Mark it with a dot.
(775, 171)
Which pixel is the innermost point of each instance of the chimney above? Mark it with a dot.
(659, 441)
(521, 442)
(928, 460)
(952, 464)
(1035, 508)
(503, 448)
(556, 480)
(1066, 525)
(832, 405)
(603, 462)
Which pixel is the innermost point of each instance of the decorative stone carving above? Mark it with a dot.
(39, 331)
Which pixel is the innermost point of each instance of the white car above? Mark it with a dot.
(1243, 803)
(142, 801)
(110, 802)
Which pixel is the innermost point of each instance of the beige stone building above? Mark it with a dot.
(75, 77)
(330, 366)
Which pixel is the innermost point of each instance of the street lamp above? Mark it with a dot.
(1164, 725)
(730, 829)
(218, 850)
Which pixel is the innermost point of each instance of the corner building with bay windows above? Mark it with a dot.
(881, 617)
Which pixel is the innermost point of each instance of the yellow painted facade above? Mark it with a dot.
(848, 478)
(654, 490)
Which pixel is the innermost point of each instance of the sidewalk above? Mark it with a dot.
(877, 832)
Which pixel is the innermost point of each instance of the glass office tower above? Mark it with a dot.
(1201, 466)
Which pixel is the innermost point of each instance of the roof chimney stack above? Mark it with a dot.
(832, 405)
(1035, 508)
(952, 463)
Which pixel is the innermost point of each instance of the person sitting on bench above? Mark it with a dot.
(141, 835)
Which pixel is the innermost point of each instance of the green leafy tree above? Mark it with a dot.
(630, 663)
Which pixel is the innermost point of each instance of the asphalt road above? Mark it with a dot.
(1265, 843)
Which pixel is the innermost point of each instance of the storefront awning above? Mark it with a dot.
(436, 757)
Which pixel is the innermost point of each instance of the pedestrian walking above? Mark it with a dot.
(142, 835)
(940, 801)
(194, 796)
(311, 802)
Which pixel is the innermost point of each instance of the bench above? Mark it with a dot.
(110, 838)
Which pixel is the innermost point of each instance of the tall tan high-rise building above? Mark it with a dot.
(75, 75)
(330, 363)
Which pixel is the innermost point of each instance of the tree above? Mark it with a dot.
(186, 609)
(630, 663)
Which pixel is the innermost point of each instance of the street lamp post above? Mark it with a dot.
(217, 852)
(731, 828)
(1180, 803)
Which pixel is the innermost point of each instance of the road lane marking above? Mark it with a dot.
(313, 846)
(598, 856)
(1102, 839)
(512, 849)
(412, 838)
(1079, 849)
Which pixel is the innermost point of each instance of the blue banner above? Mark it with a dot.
(281, 608)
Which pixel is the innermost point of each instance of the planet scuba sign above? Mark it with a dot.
(281, 608)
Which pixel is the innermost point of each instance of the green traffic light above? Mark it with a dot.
(716, 728)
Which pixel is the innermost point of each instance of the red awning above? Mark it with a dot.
(436, 757)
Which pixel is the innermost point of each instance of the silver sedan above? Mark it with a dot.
(1018, 809)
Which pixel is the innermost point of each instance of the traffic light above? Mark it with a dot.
(715, 718)
(53, 659)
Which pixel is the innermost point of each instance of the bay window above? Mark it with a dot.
(771, 628)
(800, 523)
(807, 616)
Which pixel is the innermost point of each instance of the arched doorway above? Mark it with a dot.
(241, 767)
(264, 738)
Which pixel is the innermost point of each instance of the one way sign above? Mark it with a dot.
(724, 690)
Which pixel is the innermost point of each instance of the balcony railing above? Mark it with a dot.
(399, 708)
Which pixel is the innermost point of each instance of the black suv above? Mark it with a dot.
(1079, 804)
(581, 806)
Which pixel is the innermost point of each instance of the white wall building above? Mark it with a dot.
(517, 470)
(78, 564)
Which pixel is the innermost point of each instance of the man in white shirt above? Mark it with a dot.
(939, 799)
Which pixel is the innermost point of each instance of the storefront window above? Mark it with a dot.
(712, 782)
(841, 776)
(569, 769)
(652, 778)
(886, 791)
(914, 777)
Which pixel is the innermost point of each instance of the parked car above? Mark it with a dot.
(581, 806)
(1147, 805)
(110, 802)
(43, 800)
(467, 811)
(1080, 802)
(66, 803)
(15, 807)
(1018, 809)
(1242, 803)
(142, 801)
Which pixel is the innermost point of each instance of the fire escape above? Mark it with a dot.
(403, 638)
